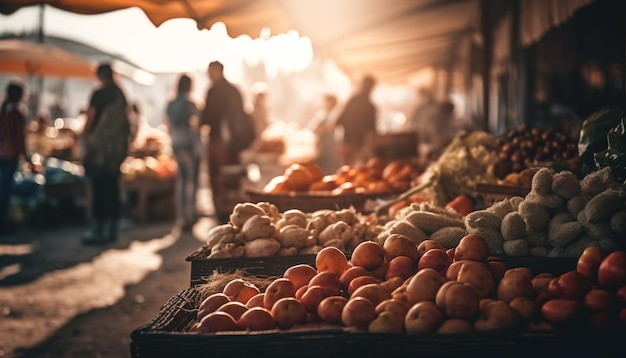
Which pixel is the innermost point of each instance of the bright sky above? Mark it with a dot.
(175, 46)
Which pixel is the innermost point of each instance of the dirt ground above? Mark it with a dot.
(106, 332)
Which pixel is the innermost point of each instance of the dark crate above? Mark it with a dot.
(275, 266)
(169, 335)
(309, 202)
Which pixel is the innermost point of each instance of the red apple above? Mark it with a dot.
(394, 305)
(211, 304)
(386, 322)
(423, 317)
(455, 326)
(400, 266)
(458, 300)
(436, 259)
(328, 280)
(217, 321)
(497, 270)
(478, 276)
(516, 282)
(300, 274)
(277, 289)
(375, 292)
(526, 308)
(350, 274)
(256, 301)
(312, 297)
(621, 295)
(358, 312)
(497, 315)
(612, 270)
(368, 254)
(257, 319)
(601, 300)
(234, 308)
(288, 311)
(564, 312)
(330, 308)
(570, 285)
(589, 262)
(427, 245)
(361, 281)
(423, 286)
(400, 245)
(240, 290)
(472, 247)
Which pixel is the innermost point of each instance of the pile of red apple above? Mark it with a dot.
(400, 287)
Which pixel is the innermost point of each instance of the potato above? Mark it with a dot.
(598, 231)
(448, 237)
(514, 201)
(482, 219)
(556, 252)
(603, 205)
(538, 251)
(513, 226)
(565, 184)
(264, 247)
(430, 222)
(517, 247)
(618, 222)
(596, 182)
(536, 238)
(576, 204)
(562, 234)
(542, 181)
(608, 245)
(405, 228)
(287, 251)
(535, 215)
(501, 208)
(548, 201)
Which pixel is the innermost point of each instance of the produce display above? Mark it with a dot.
(374, 177)
(402, 288)
(525, 146)
(560, 216)
(148, 167)
(261, 230)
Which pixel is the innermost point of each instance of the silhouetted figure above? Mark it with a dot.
(12, 147)
(358, 120)
(182, 120)
(223, 107)
(323, 125)
(107, 135)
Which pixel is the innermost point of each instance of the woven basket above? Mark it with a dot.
(167, 335)
(275, 266)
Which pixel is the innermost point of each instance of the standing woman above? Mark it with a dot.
(182, 115)
(107, 135)
(12, 146)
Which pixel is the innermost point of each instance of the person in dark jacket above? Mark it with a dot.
(12, 147)
(358, 120)
(106, 136)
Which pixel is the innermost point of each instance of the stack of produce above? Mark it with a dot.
(521, 148)
(148, 167)
(261, 230)
(374, 177)
(560, 216)
(403, 288)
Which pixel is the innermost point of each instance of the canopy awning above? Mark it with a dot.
(389, 39)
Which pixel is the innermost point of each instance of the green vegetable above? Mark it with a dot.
(601, 143)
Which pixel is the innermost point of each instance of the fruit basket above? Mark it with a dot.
(309, 202)
(168, 335)
(202, 267)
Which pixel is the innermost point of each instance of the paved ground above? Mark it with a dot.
(70, 300)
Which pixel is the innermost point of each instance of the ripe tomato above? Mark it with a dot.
(612, 270)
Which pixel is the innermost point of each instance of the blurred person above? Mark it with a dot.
(106, 136)
(438, 130)
(323, 125)
(223, 113)
(358, 120)
(182, 120)
(12, 147)
(260, 112)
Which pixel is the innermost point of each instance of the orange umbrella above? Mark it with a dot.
(35, 59)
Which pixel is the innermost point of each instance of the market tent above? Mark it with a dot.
(35, 59)
(389, 39)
